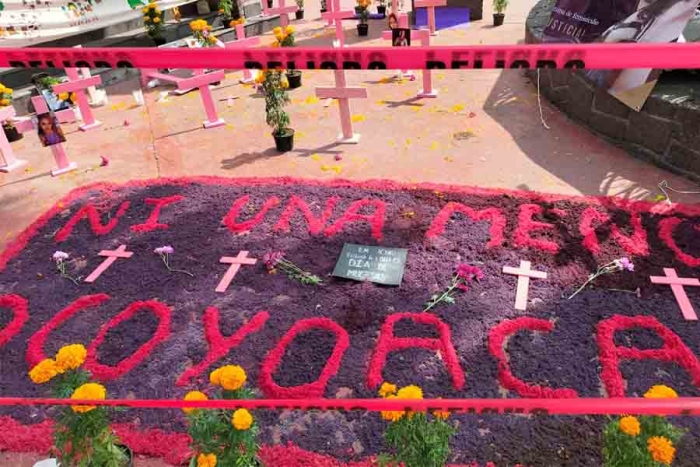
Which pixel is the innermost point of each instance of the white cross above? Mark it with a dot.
(524, 274)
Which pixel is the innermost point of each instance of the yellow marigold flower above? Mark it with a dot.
(660, 392)
(215, 377)
(285, 84)
(289, 30)
(277, 31)
(442, 414)
(64, 96)
(194, 396)
(661, 449)
(630, 426)
(387, 389)
(88, 391)
(5, 102)
(410, 392)
(2, 87)
(156, 19)
(242, 419)
(392, 415)
(221, 10)
(232, 377)
(70, 357)
(206, 460)
(43, 372)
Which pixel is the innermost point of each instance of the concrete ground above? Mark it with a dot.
(483, 129)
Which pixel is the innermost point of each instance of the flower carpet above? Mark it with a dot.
(155, 326)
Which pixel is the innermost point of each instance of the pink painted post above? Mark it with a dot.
(339, 16)
(423, 35)
(343, 94)
(8, 161)
(524, 274)
(244, 42)
(59, 153)
(430, 6)
(202, 80)
(283, 11)
(236, 264)
(395, 7)
(79, 85)
(112, 256)
(677, 283)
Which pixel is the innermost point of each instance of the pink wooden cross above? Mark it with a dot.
(8, 161)
(78, 85)
(524, 274)
(343, 94)
(243, 42)
(677, 284)
(236, 264)
(422, 35)
(339, 16)
(395, 9)
(112, 256)
(202, 81)
(283, 11)
(59, 152)
(430, 6)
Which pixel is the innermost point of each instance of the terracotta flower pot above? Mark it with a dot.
(362, 29)
(294, 79)
(498, 19)
(285, 141)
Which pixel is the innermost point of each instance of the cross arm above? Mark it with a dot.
(341, 93)
(78, 85)
(524, 272)
(429, 3)
(201, 80)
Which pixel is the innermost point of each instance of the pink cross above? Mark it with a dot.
(524, 274)
(242, 42)
(430, 6)
(79, 85)
(343, 94)
(202, 80)
(235, 263)
(403, 24)
(59, 152)
(423, 35)
(8, 161)
(112, 256)
(338, 16)
(283, 11)
(677, 284)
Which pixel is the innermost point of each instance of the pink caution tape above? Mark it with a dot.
(589, 56)
(610, 406)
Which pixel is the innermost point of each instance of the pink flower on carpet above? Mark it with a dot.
(469, 273)
(272, 258)
(104, 161)
(626, 264)
(463, 287)
(164, 250)
(59, 256)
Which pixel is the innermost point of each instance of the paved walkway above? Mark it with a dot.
(494, 113)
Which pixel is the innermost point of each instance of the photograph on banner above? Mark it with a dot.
(579, 21)
(401, 37)
(49, 130)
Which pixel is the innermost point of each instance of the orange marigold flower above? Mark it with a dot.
(387, 389)
(194, 396)
(392, 415)
(630, 426)
(660, 392)
(88, 391)
(242, 419)
(661, 449)
(70, 357)
(43, 371)
(206, 460)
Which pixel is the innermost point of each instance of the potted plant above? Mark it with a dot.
(499, 6)
(323, 6)
(223, 437)
(153, 21)
(381, 7)
(362, 9)
(299, 14)
(229, 10)
(274, 86)
(82, 434)
(8, 127)
(285, 38)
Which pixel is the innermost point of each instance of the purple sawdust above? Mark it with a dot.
(565, 357)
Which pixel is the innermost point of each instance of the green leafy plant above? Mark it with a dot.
(274, 85)
(415, 439)
(153, 20)
(499, 6)
(224, 437)
(82, 435)
(300, 4)
(229, 9)
(275, 260)
(363, 9)
(645, 441)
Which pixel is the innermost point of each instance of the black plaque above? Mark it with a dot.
(378, 264)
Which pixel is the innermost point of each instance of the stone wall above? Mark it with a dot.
(667, 129)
